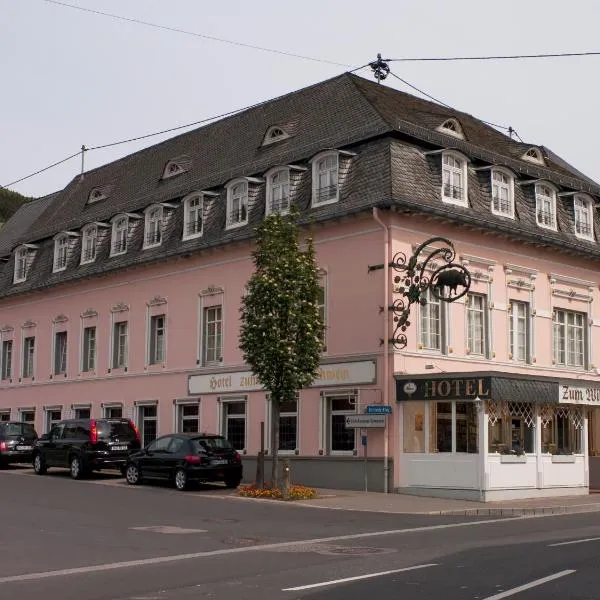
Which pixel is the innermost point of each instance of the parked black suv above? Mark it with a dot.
(86, 445)
(16, 442)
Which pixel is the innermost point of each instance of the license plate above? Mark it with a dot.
(219, 461)
(24, 447)
(118, 448)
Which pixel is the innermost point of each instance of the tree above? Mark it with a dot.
(281, 333)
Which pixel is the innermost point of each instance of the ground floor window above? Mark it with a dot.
(113, 412)
(4, 415)
(28, 416)
(148, 423)
(511, 428)
(188, 418)
(288, 425)
(82, 412)
(453, 427)
(341, 438)
(562, 433)
(234, 422)
(53, 415)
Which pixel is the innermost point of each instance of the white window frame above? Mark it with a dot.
(21, 264)
(275, 133)
(119, 235)
(583, 205)
(426, 333)
(61, 252)
(568, 342)
(218, 349)
(323, 307)
(268, 421)
(237, 192)
(60, 354)
(452, 127)
(6, 359)
(187, 220)
(224, 417)
(327, 397)
(89, 358)
(516, 320)
(280, 189)
(471, 312)
(108, 407)
(172, 169)
(450, 171)
(533, 155)
(153, 226)
(28, 358)
(141, 420)
(498, 186)
(180, 405)
(156, 333)
(330, 172)
(48, 422)
(542, 198)
(120, 356)
(89, 244)
(96, 195)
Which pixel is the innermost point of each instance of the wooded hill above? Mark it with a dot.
(9, 203)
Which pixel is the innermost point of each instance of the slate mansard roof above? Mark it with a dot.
(389, 133)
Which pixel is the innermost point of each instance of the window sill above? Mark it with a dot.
(112, 254)
(59, 270)
(587, 238)
(194, 236)
(150, 246)
(235, 225)
(455, 201)
(509, 458)
(501, 214)
(325, 203)
(87, 262)
(548, 227)
(563, 458)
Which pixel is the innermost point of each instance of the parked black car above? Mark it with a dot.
(16, 442)
(184, 458)
(86, 445)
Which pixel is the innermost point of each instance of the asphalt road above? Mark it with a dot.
(103, 540)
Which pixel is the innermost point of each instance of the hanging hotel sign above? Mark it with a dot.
(569, 394)
(349, 373)
(451, 388)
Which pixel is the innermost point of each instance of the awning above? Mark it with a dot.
(534, 391)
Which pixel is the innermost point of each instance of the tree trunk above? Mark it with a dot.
(275, 410)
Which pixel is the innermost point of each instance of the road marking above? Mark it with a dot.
(226, 551)
(530, 585)
(356, 578)
(574, 542)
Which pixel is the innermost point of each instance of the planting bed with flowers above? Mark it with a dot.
(295, 492)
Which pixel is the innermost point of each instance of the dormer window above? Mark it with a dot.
(278, 191)
(325, 178)
(61, 251)
(545, 206)
(154, 226)
(583, 216)
(120, 228)
(96, 195)
(454, 178)
(452, 127)
(89, 240)
(274, 134)
(193, 216)
(22, 263)
(503, 193)
(172, 169)
(534, 155)
(237, 203)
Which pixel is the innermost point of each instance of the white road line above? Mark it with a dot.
(356, 578)
(225, 551)
(530, 585)
(574, 542)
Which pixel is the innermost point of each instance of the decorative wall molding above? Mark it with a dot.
(510, 268)
(89, 313)
(521, 284)
(157, 301)
(60, 319)
(212, 290)
(120, 307)
(7, 329)
(29, 323)
(556, 278)
(572, 295)
(478, 260)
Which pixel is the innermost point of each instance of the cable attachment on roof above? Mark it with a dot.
(380, 68)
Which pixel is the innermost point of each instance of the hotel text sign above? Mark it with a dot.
(454, 388)
(350, 373)
(578, 395)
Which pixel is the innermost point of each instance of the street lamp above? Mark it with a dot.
(447, 282)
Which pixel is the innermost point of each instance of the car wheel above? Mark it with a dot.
(76, 467)
(232, 483)
(132, 474)
(39, 465)
(181, 480)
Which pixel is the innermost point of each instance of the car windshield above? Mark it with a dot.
(111, 429)
(19, 429)
(211, 444)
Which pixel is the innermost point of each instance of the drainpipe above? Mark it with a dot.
(386, 346)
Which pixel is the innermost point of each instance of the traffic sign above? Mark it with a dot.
(360, 421)
(379, 409)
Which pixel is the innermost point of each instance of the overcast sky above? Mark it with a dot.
(71, 78)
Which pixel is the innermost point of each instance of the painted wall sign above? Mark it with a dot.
(350, 373)
(578, 395)
(453, 388)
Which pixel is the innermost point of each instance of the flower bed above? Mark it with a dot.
(295, 492)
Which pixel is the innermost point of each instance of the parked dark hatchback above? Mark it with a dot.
(85, 445)
(16, 442)
(184, 458)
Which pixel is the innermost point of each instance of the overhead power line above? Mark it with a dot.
(195, 34)
(492, 57)
(60, 162)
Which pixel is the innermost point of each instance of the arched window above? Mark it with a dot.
(88, 244)
(21, 264)
(545, 205)
(120, 226)
(454, 178)
(274, 134)
(172, 169)
(61, 249)
(96, 195)
(452, 127)
(582, 206)
(237, 203)
(153, 226)
(503, 202)
(193, 216)
(534, 155)
(325, 178)
(278, 191)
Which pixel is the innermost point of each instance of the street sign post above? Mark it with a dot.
(378, 409)
(365, 421)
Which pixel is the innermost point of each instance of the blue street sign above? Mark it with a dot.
(363, 440)
(379, 409)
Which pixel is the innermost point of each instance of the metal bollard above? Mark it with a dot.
(285, 483)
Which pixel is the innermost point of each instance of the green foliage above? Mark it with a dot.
(9, 203)
(282, 329)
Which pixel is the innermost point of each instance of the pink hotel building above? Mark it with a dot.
(120, 295)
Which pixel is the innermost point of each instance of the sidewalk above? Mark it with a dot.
(405, 504)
